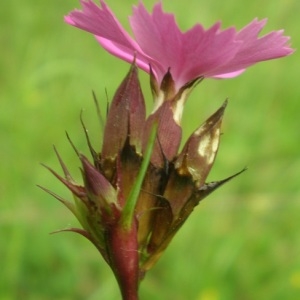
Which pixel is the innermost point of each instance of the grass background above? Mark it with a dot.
(243, 242)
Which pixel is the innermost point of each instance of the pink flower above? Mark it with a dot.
(191, 54)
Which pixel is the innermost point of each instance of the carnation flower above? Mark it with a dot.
(141, 187)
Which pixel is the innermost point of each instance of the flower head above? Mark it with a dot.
(188, 55)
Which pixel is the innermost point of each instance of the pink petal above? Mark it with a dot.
(198, 52)
(101, 22)
(254, 49)
(188, 54)
(206, 50)
(158, 36)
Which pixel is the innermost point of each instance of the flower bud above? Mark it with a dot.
(126, 117)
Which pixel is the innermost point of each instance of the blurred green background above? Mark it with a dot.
(242, 242)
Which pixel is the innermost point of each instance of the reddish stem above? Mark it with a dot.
(124, 259)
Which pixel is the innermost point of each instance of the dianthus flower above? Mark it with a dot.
(141, 188)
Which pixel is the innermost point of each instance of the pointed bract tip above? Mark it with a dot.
(199, 152)
(126, 117)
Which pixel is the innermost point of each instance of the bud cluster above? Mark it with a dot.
(140, 189)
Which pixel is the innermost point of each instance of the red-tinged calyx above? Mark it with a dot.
(166, 91)
(199, 152)
(125, 118)
(167, 112)
(167, 86)
(168, 134)
(162, 92)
